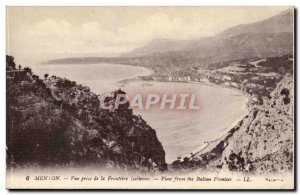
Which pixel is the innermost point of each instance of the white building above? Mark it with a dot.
(228, 78)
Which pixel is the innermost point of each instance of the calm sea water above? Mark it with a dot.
(99, 77)
(180, 132)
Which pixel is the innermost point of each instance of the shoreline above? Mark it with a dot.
(210, 144)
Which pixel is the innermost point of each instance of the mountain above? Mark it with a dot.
(159, 46)
(270, 37)
(280, 23)
(56, 122)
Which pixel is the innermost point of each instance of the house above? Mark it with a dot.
(227, 84)
(234, 84)
(226, 78)
(254, 98)
(205, 80)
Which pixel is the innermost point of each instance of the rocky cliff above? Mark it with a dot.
(263, 142)
(54, 121)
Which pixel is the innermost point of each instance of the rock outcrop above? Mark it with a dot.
(263, 141)
(53, 121)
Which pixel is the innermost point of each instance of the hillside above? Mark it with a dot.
(280, 23)
(159, 46)
(267, 38)
(270, 37)
(263, 142)
(214, 50)
(54, 121)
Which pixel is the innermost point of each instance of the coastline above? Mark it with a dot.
(210, 144)
(201, 148)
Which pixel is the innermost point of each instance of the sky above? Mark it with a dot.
(56, 32)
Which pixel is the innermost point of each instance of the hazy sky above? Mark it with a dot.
(54, 32)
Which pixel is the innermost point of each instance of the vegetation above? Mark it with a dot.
(54, 121)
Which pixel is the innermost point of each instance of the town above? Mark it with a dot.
(255, 77)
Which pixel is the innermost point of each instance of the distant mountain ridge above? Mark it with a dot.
(280, 23)
(267, 38)
(159, 45)
(272, 36)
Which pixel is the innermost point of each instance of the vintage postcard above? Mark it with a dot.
(150, 98)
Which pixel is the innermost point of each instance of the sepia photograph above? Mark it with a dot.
(147, 98)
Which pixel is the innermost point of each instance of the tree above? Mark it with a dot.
(10, 63)
(46, 76)
(27, 69)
